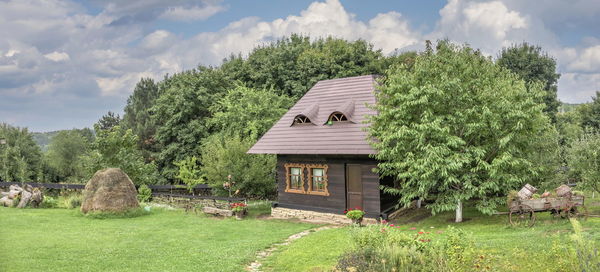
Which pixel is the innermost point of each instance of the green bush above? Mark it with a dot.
(386, 248)
(49, 202)
(144, 193)
(73, 201)
(586, 249)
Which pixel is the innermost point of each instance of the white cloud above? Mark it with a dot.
(587, 61)
(57, 56)
(194, 13)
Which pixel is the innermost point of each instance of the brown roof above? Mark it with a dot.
(346, 95)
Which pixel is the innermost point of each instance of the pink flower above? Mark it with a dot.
(391, 225)
(420, 232)
(413, 228)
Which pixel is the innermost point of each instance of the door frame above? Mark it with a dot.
(346, 183)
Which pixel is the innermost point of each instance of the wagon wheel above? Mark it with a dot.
(524, 216)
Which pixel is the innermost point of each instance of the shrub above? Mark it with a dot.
(355, 214)
(587, 252)
(49, 202)
(386, 248)
(73, 201)
(144, 193)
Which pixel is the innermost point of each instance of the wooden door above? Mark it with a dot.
(354, 189)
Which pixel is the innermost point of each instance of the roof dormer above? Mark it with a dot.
(307, 116)
(342, 113)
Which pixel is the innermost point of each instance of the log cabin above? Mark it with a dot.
(324, 163)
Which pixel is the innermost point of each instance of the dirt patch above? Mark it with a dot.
(451, 220)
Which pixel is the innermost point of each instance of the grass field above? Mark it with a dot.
(63, 240)
(506, 248)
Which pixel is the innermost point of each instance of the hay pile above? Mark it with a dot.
(109, 190)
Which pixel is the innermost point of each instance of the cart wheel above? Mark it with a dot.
(524, 216)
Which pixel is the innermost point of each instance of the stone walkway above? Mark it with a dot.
(255, 266)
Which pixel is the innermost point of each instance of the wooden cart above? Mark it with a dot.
(522, 212)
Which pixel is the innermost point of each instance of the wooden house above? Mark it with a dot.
(323, 156)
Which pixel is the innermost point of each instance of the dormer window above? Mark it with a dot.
(337, 117)
(301, 119)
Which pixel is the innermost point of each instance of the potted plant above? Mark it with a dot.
(356, 215)
(239, 209)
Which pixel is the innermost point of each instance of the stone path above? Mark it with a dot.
(260, 256)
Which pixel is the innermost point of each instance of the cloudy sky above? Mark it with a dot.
(65, 63)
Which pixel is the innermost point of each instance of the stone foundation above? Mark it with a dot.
(316, 217)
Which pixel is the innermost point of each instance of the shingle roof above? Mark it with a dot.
(347, 95)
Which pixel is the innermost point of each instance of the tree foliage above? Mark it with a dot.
(117, 147)
(247, 112)
(66, 156)
(108, 121)
(590, 113)
(456, 127)
(253, 175)
(293, 65)
(189, 172)
(584, 160)
(138, 113)
(181, 114)
(533, 65)
(20, 156)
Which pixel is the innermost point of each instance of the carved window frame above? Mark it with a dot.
(310, 191)
(288, 181)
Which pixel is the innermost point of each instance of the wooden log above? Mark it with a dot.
(217, 211)
(25, 198)
(6, 201)
(526, 192)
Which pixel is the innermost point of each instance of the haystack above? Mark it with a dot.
(109, 190)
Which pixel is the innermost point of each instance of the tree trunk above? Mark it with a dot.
(459, 212)
(418, 203)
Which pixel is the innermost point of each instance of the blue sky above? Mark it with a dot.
(65, 63)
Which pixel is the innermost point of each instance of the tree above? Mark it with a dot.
(181, 114)
(584, 160)
(108, 121)
(248, 112)
(189, 172)
(533, 65)
(65, 156)
(138, 113)
(252, 175)
(117, 147)
(590, 113)
(20, 156)
(291, 66)
(456, 127)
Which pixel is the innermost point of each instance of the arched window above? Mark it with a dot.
(301, 119)
(337, 117)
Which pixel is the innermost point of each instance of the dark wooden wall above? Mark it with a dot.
(336, 174)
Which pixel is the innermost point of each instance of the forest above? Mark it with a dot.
(195, 126)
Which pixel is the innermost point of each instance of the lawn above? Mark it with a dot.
(506, 248)
(63, 240)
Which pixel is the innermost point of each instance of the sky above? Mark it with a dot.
(63, 64)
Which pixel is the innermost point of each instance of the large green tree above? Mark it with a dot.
(293, 65)
(117, 147)
(138, 113)
(65, 156)
(590, 113)
(456, 127)
(248, 112)
(181, 114)
(20, 156)
(584, 160)
(533, 65)
(252, 175)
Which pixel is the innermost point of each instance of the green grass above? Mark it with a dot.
(63, 240)
(316, 252)
(539, 248)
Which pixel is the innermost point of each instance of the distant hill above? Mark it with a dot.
(43, 138)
